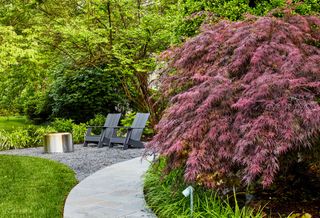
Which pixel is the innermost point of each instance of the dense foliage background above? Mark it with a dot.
(47, 44)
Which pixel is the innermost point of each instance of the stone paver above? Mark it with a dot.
(113, 192)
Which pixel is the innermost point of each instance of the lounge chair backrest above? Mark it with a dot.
(140, 122)
(112, 120)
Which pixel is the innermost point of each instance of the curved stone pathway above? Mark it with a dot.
(113, 192)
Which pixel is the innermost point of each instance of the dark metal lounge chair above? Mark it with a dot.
(107, 130)
(134, 133)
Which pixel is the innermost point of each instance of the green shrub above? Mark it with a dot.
(62, 125)
(4, 143)
(164, 196)
(192, 16)
(308, 7)
(128, 120)
(79, 94)
(98, 120)
(38, 133)
(190, 27)
(78, 132)
(18, 138)
(30, 136)
(7, 112)
(37, 107)
(33, 136)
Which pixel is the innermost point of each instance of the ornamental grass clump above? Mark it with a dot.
(248, 95)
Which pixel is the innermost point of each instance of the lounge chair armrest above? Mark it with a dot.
(126, 127)
(95, 126)
(122, 127)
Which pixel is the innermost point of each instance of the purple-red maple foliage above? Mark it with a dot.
(243, 95)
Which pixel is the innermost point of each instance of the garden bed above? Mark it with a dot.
(292, 196)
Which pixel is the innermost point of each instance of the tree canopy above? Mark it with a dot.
(41, 40)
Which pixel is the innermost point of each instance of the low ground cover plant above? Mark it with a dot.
(33, 187)
(164, 196)
(25, 136)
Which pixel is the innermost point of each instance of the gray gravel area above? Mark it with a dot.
(84, 160)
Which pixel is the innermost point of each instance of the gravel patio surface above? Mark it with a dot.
(84, 160)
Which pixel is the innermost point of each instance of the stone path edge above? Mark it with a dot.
(115, 191)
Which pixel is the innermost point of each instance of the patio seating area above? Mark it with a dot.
(109, 132)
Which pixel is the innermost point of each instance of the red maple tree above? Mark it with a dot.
(243, 94)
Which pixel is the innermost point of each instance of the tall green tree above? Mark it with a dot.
(42, 40)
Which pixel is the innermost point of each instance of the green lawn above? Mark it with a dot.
(11, 122)
(33, 187)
